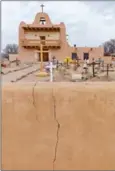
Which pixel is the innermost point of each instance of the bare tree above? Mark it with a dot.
(11, 49)
(4, 55)
(109, 47)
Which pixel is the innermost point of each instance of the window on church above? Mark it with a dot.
(42, 21)
(86, 56)
(42, 38)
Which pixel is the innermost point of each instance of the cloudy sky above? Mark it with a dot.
(88, 23)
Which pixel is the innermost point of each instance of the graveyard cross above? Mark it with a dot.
(93, 67)
(51, 72)
(57, 65)
(108, 66)
(75, 66)
(108, 70)
(67, 63)
(78, 62)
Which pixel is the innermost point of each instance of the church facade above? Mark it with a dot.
(54, 41)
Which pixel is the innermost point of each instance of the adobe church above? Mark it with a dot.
(55, 41)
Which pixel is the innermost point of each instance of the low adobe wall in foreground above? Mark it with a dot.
(58, 126)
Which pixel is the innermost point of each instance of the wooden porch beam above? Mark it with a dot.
(43, 51)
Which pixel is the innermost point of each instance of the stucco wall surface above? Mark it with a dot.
(58, 126)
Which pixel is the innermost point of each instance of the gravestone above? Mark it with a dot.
(76, 77)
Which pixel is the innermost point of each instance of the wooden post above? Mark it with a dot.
(75, 66)
(103, 66)
(57, 65)
(41, 57)
(77, 62)
(67, 63)
(99, 62)
(93, 67)
(17, 62)
(107, 70)
(85, 67)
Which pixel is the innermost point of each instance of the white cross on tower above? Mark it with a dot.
(42, 6)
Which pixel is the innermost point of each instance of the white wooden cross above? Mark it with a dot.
(51, 72)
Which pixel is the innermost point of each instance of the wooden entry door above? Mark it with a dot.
(45, 57)
(86, 56)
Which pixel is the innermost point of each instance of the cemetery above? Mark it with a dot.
(64, 71)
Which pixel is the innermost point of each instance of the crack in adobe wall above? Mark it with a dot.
(33, 96)
(58, 129)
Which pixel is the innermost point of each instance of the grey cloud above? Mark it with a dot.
(102, 7)
(87, 23)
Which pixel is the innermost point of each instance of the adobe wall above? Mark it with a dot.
(27, 55)
(65, 51)
(58, 126)
(96, 52)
